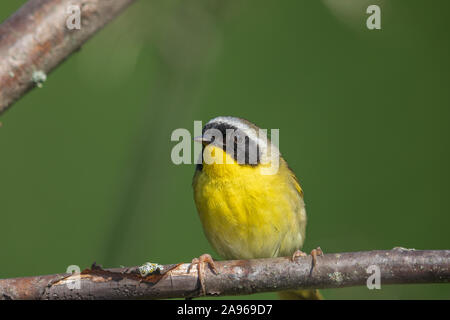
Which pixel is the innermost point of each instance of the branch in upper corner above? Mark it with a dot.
(238, 277)
(36, 39)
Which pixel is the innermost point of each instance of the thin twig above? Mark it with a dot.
(36, 39)
(239, 277)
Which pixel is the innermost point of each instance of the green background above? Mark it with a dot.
(86, 173)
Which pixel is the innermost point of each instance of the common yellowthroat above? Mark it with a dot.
(246, 212)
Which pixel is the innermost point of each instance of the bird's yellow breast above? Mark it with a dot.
(246, 214)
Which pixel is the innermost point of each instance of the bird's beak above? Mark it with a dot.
(202, 140)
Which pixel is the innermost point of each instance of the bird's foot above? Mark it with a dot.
(200, 262)
(314, 254)
(297, 254)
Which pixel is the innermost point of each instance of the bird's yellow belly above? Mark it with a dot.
(250, 216)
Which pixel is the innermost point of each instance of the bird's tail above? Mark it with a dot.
(300, 295)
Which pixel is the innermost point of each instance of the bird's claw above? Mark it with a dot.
(200, 261)
(314, 254)
(297, 254)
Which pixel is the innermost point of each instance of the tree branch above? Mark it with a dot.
(36, 39)
(238, 277)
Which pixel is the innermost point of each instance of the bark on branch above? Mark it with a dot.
(238, 277)
(36, 39)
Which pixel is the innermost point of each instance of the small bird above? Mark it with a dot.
(247, 213)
